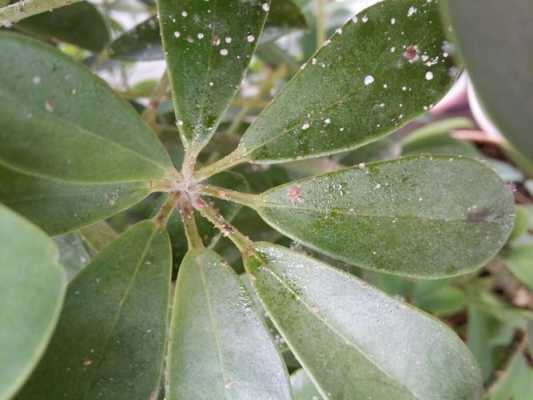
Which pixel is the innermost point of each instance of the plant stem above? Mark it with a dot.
(321, 23)
(243, 243)
(246, 199)
(231, 160)
(162, 217)
(186, 210)
(26, 8)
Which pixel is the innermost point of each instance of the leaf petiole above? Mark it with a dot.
(186, 211)
(231, 160)
(242, 242)
(246, 199)
(164, 213)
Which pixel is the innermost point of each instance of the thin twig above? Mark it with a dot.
(230, 161)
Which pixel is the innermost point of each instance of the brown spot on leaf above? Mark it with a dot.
(477, 215)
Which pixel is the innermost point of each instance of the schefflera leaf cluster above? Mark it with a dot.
(73, 154)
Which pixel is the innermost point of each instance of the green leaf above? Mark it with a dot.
(355, 341)
(98, 236)
(110, 339)
(421, 216)
(208, 50)
(478, 335)
(302, 387)
(66, 135)
(143, 42)
(520, 261)
(284, 17)
(32, 286)
(522, 223)
(435, 139)
(359, 87)
(80, 24)
(59, 207)
(517, 381)
(439, 297)
(494, 38)
(219, 348)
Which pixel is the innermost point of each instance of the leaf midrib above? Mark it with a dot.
(214, 325)
(370, 216)
(335, 332)
(66, 123)
(119, 311)
(249, 150)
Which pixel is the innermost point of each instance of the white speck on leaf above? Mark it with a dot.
(369, 80)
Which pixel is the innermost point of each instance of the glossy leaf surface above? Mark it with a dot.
(378, 71)
(32, 286)
(110, 339)
(355, 341)
(66, 112)
(494, 38)
(60, 207)
(66, 135)
(219, 347)
(208, 46)
(80, 24)
(422, 216)
(143, 42)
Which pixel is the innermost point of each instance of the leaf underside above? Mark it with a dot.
(219, 347)
(32, 287)
(64, 162)
(110, 339)
(326, 316)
